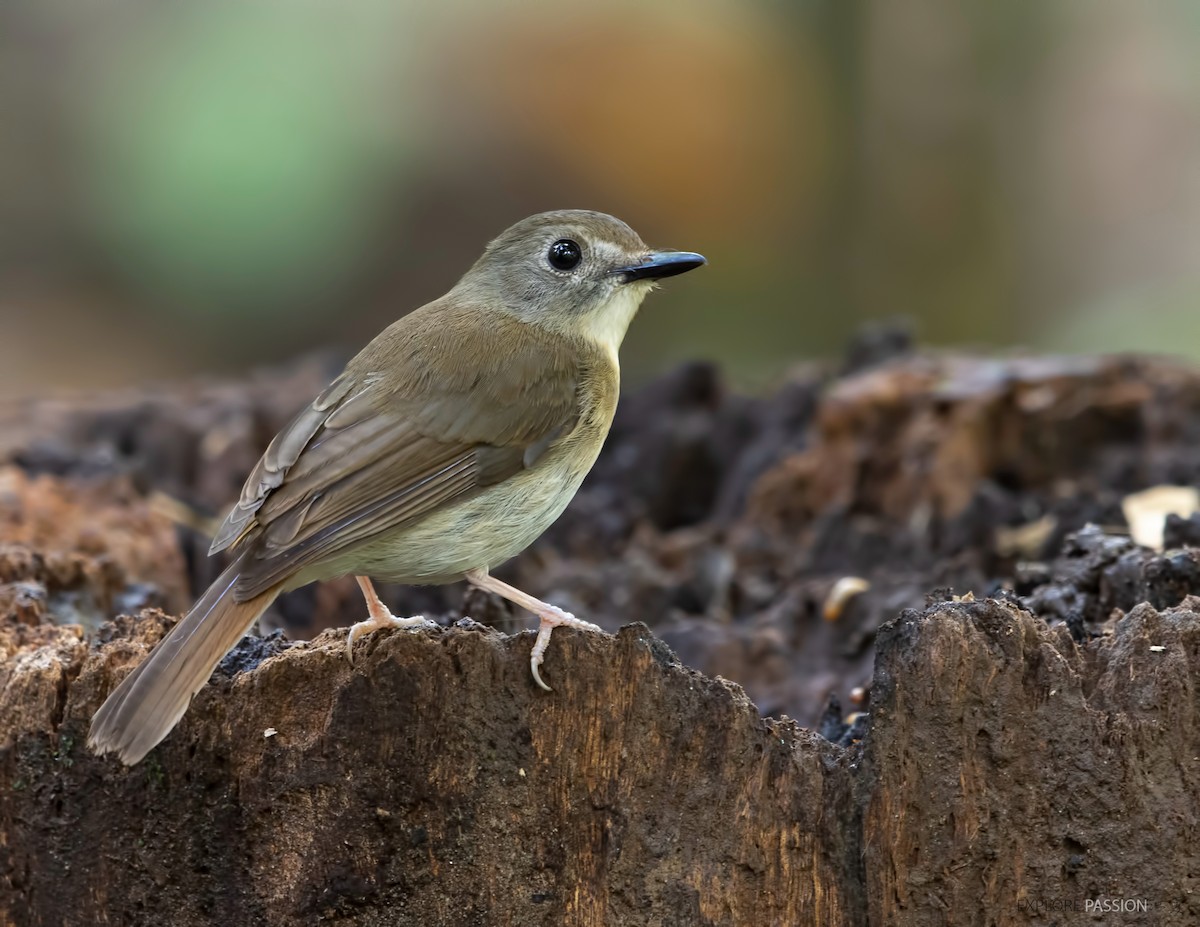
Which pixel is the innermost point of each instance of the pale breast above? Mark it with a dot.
(498, 522)
(481, 532)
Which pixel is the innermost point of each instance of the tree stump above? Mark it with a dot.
(1024, 749)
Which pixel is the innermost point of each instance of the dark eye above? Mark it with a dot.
(564, 254)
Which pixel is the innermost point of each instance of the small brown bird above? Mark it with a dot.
(446, 446)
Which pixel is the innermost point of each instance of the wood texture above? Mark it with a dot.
(1023, 756)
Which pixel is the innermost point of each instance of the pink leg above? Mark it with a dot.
(550, 616)
(378, 617)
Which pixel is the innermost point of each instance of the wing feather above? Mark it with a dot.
(399, 434)
(271, 469)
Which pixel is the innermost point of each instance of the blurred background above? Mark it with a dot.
(211, 187)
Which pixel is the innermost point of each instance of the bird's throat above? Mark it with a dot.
(606, 326)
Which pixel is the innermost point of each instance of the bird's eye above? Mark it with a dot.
(564, 254)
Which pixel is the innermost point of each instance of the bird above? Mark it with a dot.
(444, 448)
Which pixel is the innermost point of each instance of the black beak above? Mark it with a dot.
(661, 264)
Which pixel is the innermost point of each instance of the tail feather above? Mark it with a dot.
(144, 708)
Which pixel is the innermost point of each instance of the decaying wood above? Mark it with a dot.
(1020, 755)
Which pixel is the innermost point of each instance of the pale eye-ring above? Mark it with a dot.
(564, 254)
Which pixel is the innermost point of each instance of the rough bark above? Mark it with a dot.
(1022, 755)
(1013, 775)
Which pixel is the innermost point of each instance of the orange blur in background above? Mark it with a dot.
(209, 188)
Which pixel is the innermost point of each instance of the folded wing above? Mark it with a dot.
(395, 438)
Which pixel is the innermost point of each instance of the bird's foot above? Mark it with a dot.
(550, 617)
(386, 620)
(379, 617)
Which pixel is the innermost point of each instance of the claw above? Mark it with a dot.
(379, 617)
(386, 620)
(550, 616)
(539, 653)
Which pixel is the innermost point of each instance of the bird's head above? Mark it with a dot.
(574, 272)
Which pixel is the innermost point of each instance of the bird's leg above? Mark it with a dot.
(379, 617)
(550, 616)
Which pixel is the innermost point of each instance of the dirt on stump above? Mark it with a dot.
(923, 559)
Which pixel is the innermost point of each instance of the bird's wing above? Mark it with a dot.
(427, 414)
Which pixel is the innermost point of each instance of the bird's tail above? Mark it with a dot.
(150, 701)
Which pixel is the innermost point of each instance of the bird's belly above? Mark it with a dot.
(480, 532)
